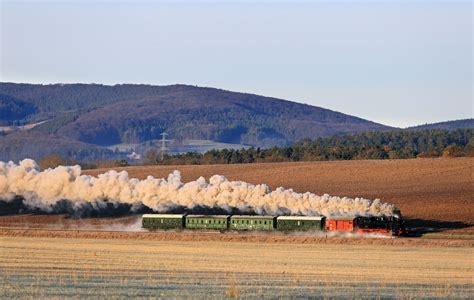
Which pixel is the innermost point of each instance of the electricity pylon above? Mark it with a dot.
(163, 145)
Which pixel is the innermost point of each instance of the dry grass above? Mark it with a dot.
(43, 267)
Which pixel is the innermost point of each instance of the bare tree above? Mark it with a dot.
(52, 161)
(151, 156)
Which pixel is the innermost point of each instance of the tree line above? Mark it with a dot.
(368, 145)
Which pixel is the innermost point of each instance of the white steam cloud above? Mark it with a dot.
(43, 190)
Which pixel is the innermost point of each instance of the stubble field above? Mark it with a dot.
(64, 267)
(57, 256)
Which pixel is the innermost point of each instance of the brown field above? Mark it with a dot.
(433, 193)
(64, 267)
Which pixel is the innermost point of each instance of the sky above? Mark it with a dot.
(400, 63)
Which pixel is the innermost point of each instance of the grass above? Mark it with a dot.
(58, 267)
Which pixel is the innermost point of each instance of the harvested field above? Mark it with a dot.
(62, 267)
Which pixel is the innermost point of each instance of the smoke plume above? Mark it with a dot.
(47, 189)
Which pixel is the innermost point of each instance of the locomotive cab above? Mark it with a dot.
(384, 225)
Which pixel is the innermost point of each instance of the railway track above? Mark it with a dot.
(226, 237)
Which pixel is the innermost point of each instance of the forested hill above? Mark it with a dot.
(448, 125)
(100, 115)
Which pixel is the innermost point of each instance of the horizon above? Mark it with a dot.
(416, 56)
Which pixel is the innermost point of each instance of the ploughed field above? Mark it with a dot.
(436, 195)
(34, 267)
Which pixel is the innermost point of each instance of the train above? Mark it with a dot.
(382, 225)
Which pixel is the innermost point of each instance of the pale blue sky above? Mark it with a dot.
(400, 63)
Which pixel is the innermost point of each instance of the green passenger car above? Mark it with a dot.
(207, 222)
(242, 222)
(300, 223)
(163, 221)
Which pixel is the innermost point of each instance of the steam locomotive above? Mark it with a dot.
(384, 225)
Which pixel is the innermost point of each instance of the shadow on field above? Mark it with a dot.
(419, 227)
(12, 207)
(103, 209)
(82, 210)
(416, 227)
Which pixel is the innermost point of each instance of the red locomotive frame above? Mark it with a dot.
(388, 226)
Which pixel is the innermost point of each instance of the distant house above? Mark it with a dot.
(134, 155)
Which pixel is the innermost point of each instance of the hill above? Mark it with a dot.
(103, 116)
(448, 125)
